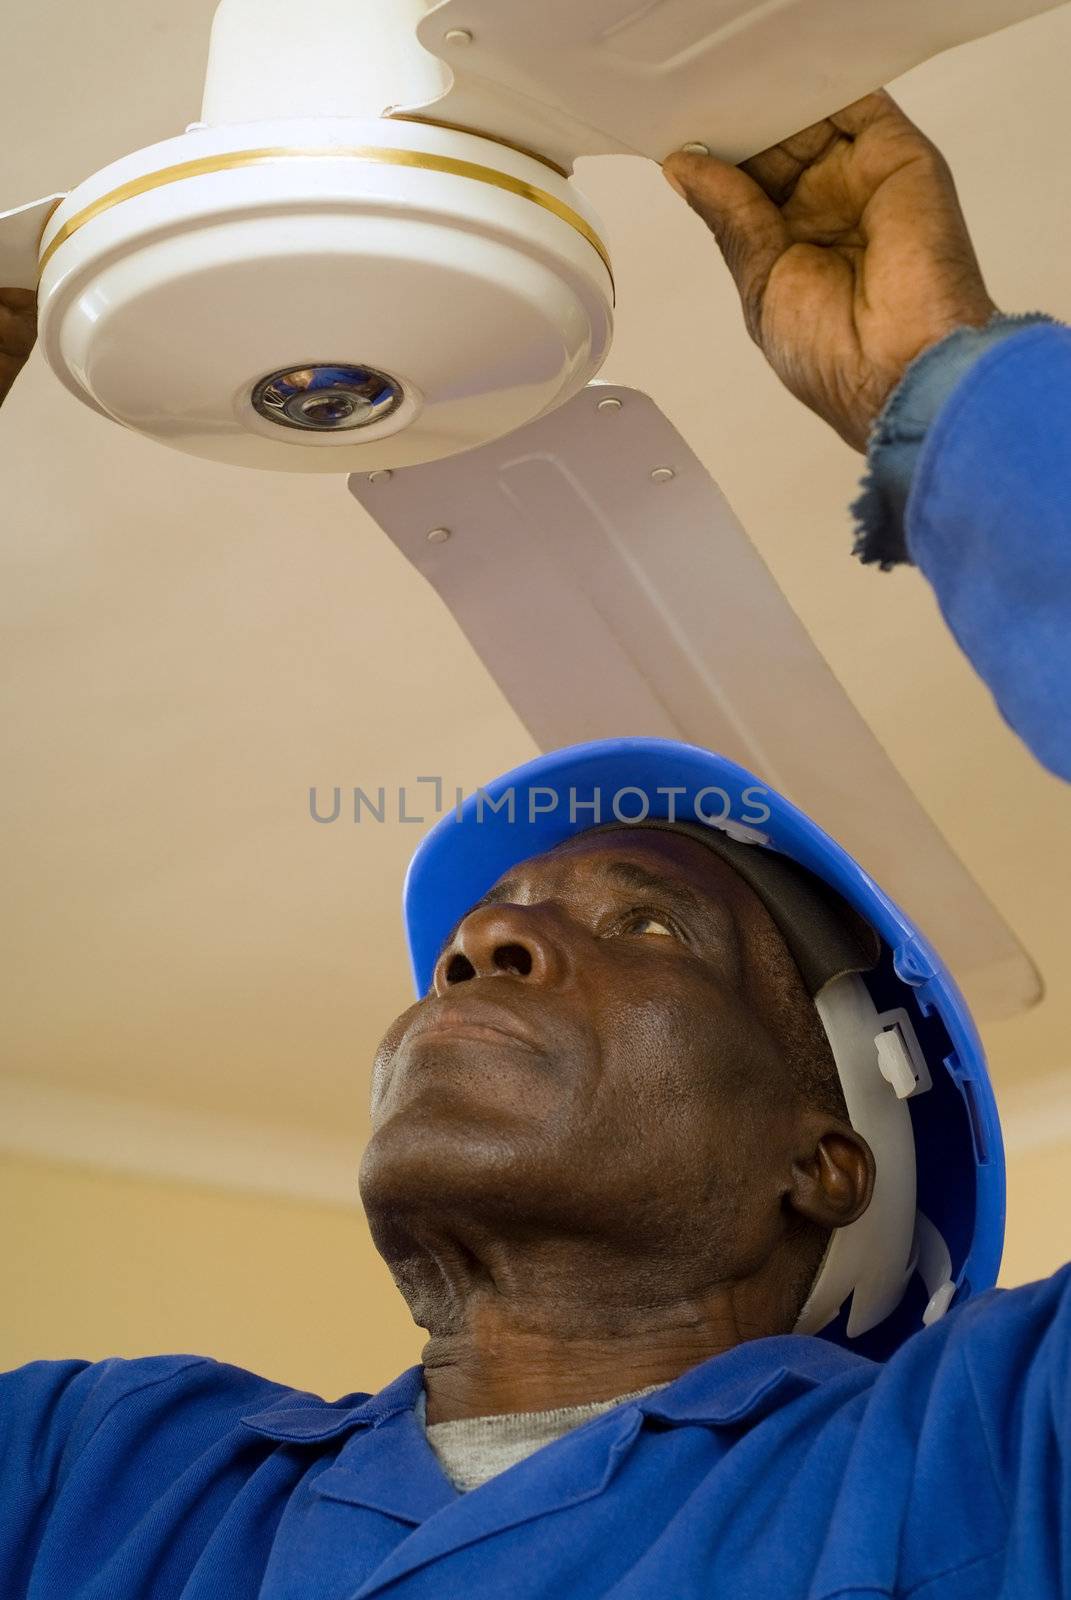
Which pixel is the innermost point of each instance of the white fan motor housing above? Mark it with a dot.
(369, 252)
(469, 274)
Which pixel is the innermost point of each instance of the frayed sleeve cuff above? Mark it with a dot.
(897, 437)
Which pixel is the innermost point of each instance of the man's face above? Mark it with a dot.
(599, 1056)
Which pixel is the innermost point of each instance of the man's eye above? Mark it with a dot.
(643, 922)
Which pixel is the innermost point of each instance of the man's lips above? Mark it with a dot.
(472, 1018)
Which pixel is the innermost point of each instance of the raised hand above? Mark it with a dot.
(850, 253)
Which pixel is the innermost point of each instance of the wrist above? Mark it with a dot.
(972, 313)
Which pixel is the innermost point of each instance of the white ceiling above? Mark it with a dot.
(189, 647)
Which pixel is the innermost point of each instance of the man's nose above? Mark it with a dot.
(515, 941)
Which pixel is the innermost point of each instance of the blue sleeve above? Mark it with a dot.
(987, 518)
(40, 1405)
(1015, 1350)
(49, 1411)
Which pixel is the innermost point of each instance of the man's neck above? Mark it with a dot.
(538, 1322)
(498, 1365)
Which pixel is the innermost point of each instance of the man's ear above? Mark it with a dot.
(833, 1182)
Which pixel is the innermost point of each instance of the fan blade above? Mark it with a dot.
(591, 77)
(20, 235)
(604, 581)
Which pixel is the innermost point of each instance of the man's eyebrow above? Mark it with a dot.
(631, 875)
(625, 874)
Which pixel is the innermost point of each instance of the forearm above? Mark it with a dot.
(978, 445)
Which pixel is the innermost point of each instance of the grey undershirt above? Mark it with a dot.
(477, 1448)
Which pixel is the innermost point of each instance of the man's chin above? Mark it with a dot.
(439, 1152)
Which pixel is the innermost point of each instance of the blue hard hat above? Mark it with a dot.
(944, 1100)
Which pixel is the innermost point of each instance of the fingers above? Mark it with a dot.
(778, 170)
(10, 367)
(18, 331)
(744, 220)
(18, 322)
(865, 113)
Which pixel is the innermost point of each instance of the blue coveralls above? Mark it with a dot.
(787, 1468)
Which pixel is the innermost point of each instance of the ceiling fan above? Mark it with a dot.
(370, 256)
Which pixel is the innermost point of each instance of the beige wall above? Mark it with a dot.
(98, 1265)
(1039, 1216)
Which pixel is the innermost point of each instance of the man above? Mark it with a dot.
(672, 1093)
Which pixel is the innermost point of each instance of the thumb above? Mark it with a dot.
(748, 227)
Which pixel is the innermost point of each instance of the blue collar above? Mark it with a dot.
(387, 1466)
(310, 1422)
(741, 1385)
